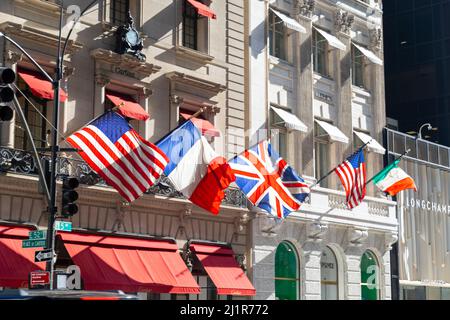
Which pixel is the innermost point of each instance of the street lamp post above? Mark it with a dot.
(55, 149)
(429, 127)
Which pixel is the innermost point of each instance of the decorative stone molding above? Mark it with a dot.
(188, 257)
(146, 91)
(357, 236)
(125, 64)
(184, 215)
(102, 80)
(376, 38)
(268, 226)
(122, 208)
(305, 7)
(37, 36)
(175, 99)
(193, 54)
(68, 71)
(13, 57)
(191, 81)
(390, 239)
(344, 21)
(240, 222)
(316, 231)
(242, 261)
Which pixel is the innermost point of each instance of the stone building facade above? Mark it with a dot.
(322, 62)
(192, 62)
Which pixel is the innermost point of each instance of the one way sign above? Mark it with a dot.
(44, 255)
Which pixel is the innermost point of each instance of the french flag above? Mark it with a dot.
(194, 167)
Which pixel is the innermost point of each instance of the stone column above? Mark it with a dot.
(143, 100)
(101, 82)
(312, 254)
(343, 59)
(353, 273)
(304, 160)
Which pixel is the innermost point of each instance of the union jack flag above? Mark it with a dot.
(268, 181)
(116, 152)
(352, 173)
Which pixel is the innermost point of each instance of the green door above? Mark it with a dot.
(286, 272)
(369, 277)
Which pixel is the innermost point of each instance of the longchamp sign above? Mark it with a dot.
(427, 205)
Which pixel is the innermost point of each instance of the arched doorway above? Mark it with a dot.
(370, 278)
(287, 279)
(329, 279)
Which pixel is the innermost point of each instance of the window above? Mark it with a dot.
(320, 54)
(322, 155)
(195, 28)
(36, 122)
(286, 272)
(119, 11)
(277, 39)
(357, 68)
(329, 275)
(370, 286)
(278, 132)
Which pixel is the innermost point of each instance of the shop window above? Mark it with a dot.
(279, 134)
(321, 154)
(320, 54)
(32, 107)
(119, 11)
(370, 286)
(277, 37)
(329, 275)
(195, 28)
(358, 64)
(287, 280)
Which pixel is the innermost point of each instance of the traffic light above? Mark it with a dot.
(69, 196)
(7, 76)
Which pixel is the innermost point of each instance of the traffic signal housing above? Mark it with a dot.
(7, 76)
(69, 196)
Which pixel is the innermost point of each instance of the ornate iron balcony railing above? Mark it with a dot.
(23, 162)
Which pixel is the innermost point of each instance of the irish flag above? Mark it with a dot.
(392, 179)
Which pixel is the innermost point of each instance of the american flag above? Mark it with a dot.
(352, 173)
(268, 181)
(116, 152)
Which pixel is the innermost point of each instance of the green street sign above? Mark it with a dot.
(63, 226)
(34, 243)
(38, 235)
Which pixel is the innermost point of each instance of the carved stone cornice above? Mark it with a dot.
(13, 57)
(376, 38)
(344, 21)
(37, 36)
(356, 236)
(316, 231)
(390, 239)
(192, 81)
(102, 80)
(305, 7)
(124, 62)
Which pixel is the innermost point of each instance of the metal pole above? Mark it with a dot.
(55, 148)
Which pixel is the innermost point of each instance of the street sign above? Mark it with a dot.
(37, 235)
(44, 255)
(39, 278)
(63, 226)
(34, 243)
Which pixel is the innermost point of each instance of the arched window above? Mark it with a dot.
(286, 272)
(370, 280)
(329, 275)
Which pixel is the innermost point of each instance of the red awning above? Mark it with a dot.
(40, 86)
(16, 263)
(223, 270)
(205, 126)
(202, 9)
(129, 264)
(127, 106)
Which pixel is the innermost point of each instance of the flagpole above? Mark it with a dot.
(401, 156)
(332, 170)
(195, 115)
